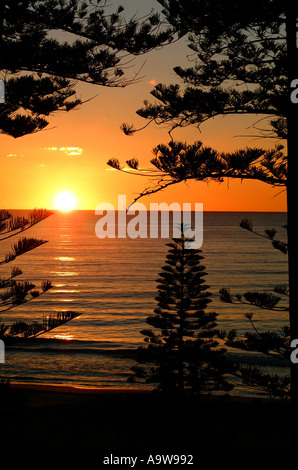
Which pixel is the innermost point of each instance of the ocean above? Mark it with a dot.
(112, 283)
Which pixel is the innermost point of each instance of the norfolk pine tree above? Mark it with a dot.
(245, 62)
(182, 354)
(47, 46)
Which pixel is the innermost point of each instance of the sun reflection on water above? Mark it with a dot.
(64, 336)
(65, 273)
(64, 291)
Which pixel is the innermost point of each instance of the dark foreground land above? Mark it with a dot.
(124, 422)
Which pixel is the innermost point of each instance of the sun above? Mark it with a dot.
(65, 201)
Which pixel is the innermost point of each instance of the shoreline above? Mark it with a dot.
(77, 390)
(63, 388)
(50, 416)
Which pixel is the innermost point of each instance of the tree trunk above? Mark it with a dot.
(181, 315)
(292, 121)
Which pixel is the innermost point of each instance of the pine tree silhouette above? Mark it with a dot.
(47, 47)
(182, 353)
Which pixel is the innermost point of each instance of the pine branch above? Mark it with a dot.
(30, 330)
(271, 384)
(178, 161)
(262, 300)
(24, 245)
(19, 225)
(7, 282)
(269, 234)
(17, 294)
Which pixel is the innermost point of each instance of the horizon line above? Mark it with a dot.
(148, 210)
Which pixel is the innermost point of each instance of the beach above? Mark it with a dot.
(50, 417)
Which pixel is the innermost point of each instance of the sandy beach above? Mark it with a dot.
(49, 417)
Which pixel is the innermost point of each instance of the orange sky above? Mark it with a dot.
(71, 153)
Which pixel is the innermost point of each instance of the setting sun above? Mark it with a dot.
(65, 201)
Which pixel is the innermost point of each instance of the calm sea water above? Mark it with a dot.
(112, 282)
